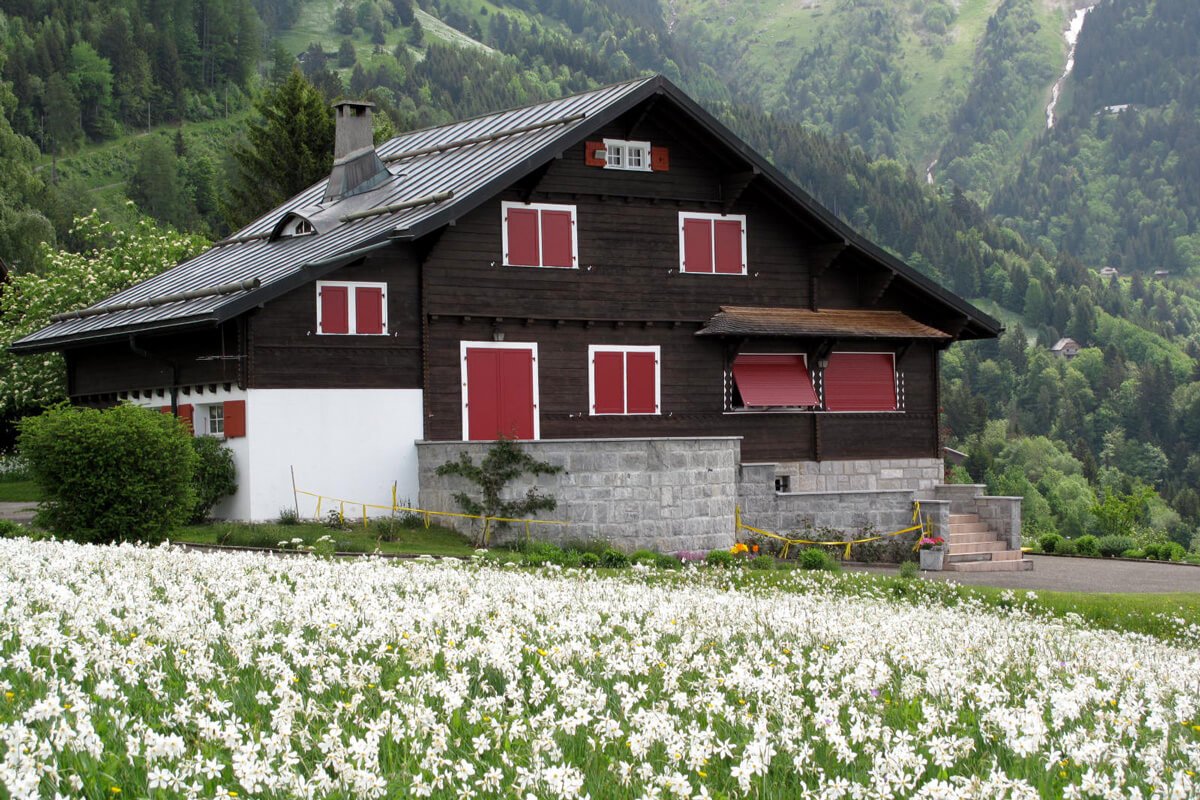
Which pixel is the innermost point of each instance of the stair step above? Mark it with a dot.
(988, 546)
(955, 518)
(1011, 565)
(967, 538)
(968, 527)
(955, 557)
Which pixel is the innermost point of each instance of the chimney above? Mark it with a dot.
(356, 165)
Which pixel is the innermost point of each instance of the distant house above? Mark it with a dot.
(613, 278)
(1109, 272)
(1065, 348)
(1161, 274)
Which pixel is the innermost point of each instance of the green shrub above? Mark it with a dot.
(216, 476)
(11, 530)
(1134, 554)
(720, 558)
(1114, 545)
(1152, 551)
(1087, 546)
(643, 557)
(1050, 542)
(288, 516)
(1066, 547)
(589, 560)
(543, 550)
(817, 558)
(122, 474)
(909, 570)
(570, 558)
(663, 561)
(613, 559)
(763, 562)
(1177, 552)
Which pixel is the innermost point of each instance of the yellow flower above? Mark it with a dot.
(115, 789)
(9, 695)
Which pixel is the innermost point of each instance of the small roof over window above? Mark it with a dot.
(843, 322)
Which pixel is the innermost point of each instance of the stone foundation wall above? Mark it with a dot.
(665, 494)
(864, 475)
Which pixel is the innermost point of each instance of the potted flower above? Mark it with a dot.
(932, 552)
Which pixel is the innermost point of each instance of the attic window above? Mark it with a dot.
(622, 154)
(298, 226)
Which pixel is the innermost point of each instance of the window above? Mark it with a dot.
(623, 380)
(860, 382)
(772, 380)
(712, 243)
(539, 235)
(351, 308)
(214, 420)
(621, 154)
(783, 483)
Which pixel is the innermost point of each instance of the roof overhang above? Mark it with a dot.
(825, 323)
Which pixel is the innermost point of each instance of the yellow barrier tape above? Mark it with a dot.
(788, 542)
(425, 513)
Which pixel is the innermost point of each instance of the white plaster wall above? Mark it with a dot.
(350, 443)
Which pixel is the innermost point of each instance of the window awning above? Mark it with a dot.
(773, 380)
(832, 322)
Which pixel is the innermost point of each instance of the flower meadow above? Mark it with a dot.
(152, 672)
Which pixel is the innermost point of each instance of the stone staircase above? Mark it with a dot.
(974, 547)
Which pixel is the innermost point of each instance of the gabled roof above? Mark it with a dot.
(439, 174)
(833, 322)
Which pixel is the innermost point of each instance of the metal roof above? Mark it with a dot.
(472, 160)
(850, 322)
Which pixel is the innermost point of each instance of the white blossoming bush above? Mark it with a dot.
(159, 673)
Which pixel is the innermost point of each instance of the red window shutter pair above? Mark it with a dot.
(235, 418)
(713, 246)
(186, 413)
(773, 380)
(624, 382)
(860, 382)
(539, 237)
(335, 309)
(660, 157)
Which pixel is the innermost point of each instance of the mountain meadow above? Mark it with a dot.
(134, 133)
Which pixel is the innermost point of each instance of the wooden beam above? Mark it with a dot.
(647, 107)
(873, 286)
(821, 259)
(733, 184)
(528, 184)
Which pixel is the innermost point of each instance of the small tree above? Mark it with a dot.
(216, 475)
(505, 462)
(122, 474)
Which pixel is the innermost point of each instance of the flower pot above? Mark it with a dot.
(931, 559)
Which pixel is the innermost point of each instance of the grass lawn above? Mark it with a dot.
(382, 535)
(19, 492)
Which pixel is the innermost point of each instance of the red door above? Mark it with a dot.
(500, 393)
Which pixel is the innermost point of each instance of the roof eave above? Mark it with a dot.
(108, 335)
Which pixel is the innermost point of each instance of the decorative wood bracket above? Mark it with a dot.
(733, 184)
(529, 184)
(821, 259)
(873, 286)
(647, 107)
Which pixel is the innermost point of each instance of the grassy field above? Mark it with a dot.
(383, 536)
(234, 675)
(19, 492)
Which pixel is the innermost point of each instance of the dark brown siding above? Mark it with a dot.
(205, 356)
(629, 287)
(287, 352)
(692, 379)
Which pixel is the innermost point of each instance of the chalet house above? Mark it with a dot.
(1066, 348)
(613, 278)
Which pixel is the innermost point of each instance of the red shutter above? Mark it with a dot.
(589, 154)
(641, 371)
(860, 382)
(516, 394)
(660, 159)
(187, 414)
(335, 309)
(557, 239)
(608, 383)
(164, 410)
(368, 309)
(697, 245)
(522, 238)
(235, 418)
(773, 380)
(728, 239)
(483, 393)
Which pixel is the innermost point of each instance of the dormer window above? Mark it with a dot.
(622, 154)
(303, 228)
(294, 225)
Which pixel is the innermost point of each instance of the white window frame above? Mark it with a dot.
(505, 205)
(351, 308)
(686, 215)
(211, 413)
(593, 349)
(897, 383)
(537, 400)
(730, 408)
(623, 147)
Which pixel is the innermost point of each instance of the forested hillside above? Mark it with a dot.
(1098, 189)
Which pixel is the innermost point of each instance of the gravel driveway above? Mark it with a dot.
(1080, 575)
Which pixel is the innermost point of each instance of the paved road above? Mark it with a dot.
(18, 512)
(1081, 575)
